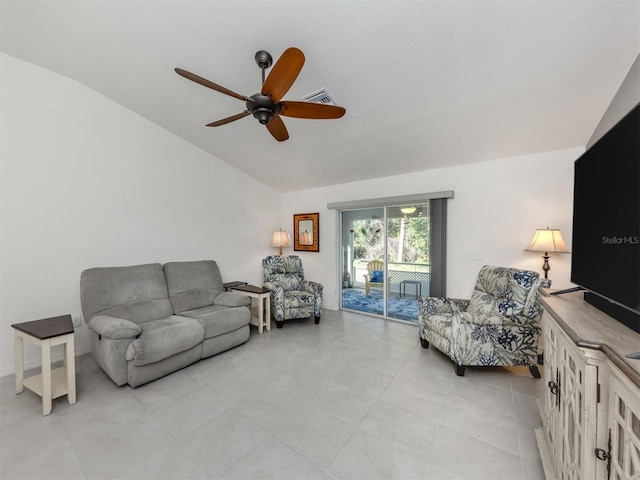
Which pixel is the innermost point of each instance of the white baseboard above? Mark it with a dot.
(55, 357)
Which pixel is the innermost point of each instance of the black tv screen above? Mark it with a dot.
(605, 247)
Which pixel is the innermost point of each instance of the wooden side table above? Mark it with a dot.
(264, 304)
(229, 285)
(49, 384)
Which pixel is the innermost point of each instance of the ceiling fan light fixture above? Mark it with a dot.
(263, 115)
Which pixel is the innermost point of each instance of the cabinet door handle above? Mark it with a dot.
(553, 386)
(601, 454)
(558, 394)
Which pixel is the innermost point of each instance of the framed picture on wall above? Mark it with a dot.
(306, 232)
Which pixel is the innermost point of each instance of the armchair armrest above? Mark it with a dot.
(275, 288)
(498, 320)
(310, 286)
(277, 299)
(113, 327)
(232, 299)
(441, 305)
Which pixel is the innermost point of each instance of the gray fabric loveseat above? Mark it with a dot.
(147, 321)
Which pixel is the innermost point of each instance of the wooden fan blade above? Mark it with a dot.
(283, 74)
(310, 110)
(277, 129)
(233, 118)
(207, 83)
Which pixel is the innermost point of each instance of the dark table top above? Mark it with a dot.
(229, 285)
(250, 288)
(47, 327)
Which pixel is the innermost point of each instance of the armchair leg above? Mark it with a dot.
(317, 320)
(534, 371)
(279, 323)
(424, 343)
(460, 370)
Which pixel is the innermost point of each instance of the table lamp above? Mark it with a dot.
(280, 239)
(547, 240)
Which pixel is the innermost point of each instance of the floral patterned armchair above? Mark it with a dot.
(291, 295)
(499, 325)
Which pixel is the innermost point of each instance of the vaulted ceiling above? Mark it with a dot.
(426, 84)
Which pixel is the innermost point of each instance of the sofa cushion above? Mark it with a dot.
(163, 338)
(192, 284)
(137, 293)
(231, 299)
(218, 320)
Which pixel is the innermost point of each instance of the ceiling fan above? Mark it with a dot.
(267, 105)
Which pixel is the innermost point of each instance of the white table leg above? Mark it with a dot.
(70, 359)
(260, 316)
(46, 376)
(19, 364)
(267, 311)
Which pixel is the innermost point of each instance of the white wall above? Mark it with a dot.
(86, 182)
(627, 97)
(497, 207)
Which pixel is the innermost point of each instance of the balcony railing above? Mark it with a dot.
(396, 273)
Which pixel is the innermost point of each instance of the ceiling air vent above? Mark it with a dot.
(320, 96)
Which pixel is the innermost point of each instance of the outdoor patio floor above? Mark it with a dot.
(405, 308)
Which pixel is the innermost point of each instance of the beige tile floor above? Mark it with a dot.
(355, 397)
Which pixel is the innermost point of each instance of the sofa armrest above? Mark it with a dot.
(113, 327)
(232, 299)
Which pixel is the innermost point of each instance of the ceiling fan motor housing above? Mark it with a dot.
(262, 108)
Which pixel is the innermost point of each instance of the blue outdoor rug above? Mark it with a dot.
(405, 308)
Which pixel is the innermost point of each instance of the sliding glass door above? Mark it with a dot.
(407, 259)
(363, 245)
(385, 261)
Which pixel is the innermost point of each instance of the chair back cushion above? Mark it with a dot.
(137, 293)
(285, 271)
(377, 276)
(192, 284)
(504, 291)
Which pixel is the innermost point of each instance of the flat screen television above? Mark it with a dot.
(605, 249)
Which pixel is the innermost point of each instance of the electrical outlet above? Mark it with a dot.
(77, 321)
(476, 256)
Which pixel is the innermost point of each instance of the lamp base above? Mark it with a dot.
(545, 265)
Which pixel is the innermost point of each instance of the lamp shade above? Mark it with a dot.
(280, 239)
(547, 240)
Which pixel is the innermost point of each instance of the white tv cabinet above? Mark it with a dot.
(590, 409)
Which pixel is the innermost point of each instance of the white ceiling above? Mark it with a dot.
(426, 84)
